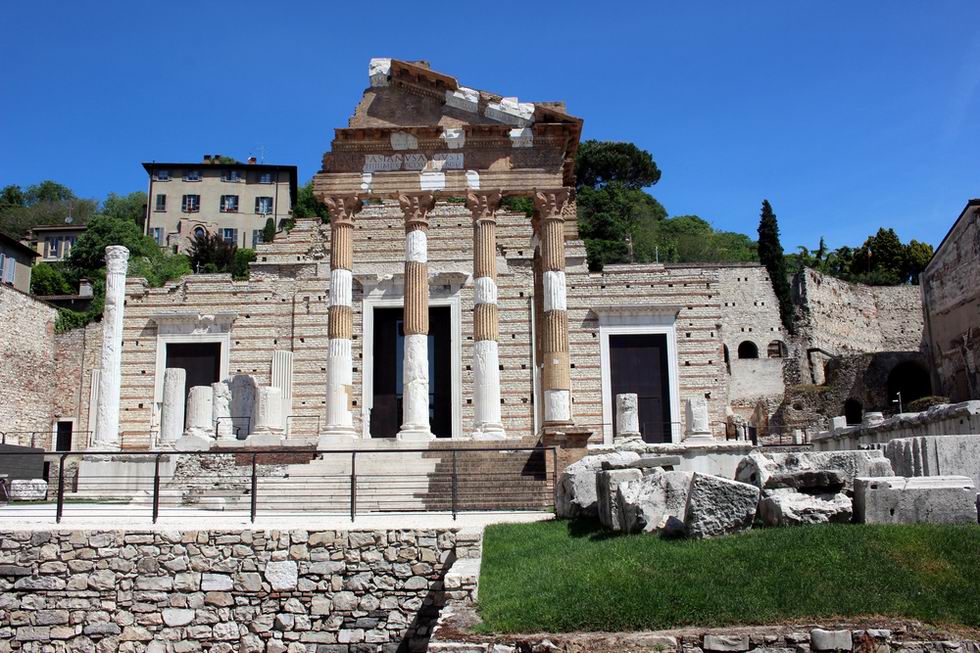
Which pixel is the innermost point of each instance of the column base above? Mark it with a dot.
(490, 432)
(415, 435)
(338, 437)
(268, 440)
(191, 442)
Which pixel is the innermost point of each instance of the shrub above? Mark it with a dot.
(925, 403)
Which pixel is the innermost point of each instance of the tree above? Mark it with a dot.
(210, 253)
(771, 255)
(49, 279)
(41, 204)
(11, 195)
(102, 231)
(307, 204)
(239, 268)
(269, 231)
(917, 257)
(598, 163)
(126, 207)
(47, 191)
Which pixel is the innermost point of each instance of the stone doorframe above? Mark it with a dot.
(391, 294)
(639, 320)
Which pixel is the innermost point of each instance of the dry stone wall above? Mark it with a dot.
(272, 591)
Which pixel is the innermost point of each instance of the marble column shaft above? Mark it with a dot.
(340, 327)
(415, 375)
(110, 377)
(486, 330)
(555, 372)
(172, 409)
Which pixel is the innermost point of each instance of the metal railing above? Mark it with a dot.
(251, 482)
(39, 438)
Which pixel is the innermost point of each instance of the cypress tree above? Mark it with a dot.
(771, 255)
(269, 232)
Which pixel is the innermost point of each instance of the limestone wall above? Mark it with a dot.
(840, 317)
(951, 300)
(252, 590)
(27, 369)
(76, 355)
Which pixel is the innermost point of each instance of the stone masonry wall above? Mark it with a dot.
(76, 355)
(27, 370)
(249, 591)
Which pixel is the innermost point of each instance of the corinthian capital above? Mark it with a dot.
(482, 204)
(342, 208)
(416, 207)
(116, 259)
(549, 203)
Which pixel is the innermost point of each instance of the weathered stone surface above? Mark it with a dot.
(174, 617)
(726, 643)
(946, 455)
(576, 496)
(282, 575)
(34, 489)
(830, 640)
(656, 502)
(790, 508)
(717, 506)
(757, 468)
(929, 499)
(607, 500)
(647, 462)
(811, 481)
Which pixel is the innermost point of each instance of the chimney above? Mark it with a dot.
(207, 158)
(84, 288)
(251, 160)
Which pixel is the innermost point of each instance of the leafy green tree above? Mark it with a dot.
(210, 253)
(102, 231)
(917, 257)
(49, 279)
(771, 255)
(159, 270)
(611, 218)
(41, 204)
(269, 231)
(239, 269)
(47, 191)
(126, 207)
(307, 204)
(599, 163)
(11, 195)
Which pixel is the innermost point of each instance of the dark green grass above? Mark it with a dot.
(563, 576)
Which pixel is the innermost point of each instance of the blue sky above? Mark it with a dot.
(846, 116)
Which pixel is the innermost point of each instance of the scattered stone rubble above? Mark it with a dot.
(900, 500)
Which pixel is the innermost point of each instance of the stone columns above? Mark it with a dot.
(200, 412)
(340, 375)
(486, 367)
(415, 370)
(555, 381)
(698, 425)
(221, 412)
(627, 418)
(172, 410)
(282, 378)
(110, 378)
(268, 418)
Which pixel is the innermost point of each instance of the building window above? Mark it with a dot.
(192, 175)
(748, 349)
(162, 175)
(265, 178)
(3, 264)
(776, 349)
(157, 234)
(52, 247)
(199, 232)
(231, 175)
(191, 204)
(263, 205)
(161, 203)
(256, 237)
(229, 203)
(229, 235)
(66, 245)
(9, 270)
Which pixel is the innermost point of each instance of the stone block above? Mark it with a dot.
(929, 499)
(174, 617)
(33, 489)
(607, 486)
(830, 640)
(718, 506)
(811, 481)
(726, 643)
(216, 582)
(655, 503)
(576, 495)
(648, 462)
(282, 575)
(757, 468)
(791, 508)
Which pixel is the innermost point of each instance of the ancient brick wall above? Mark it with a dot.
(27, 369)
(76, 354)
(237, 590)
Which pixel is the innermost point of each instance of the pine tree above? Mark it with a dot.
(771, 255)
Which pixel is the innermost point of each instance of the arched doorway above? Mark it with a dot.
(748, 349)
(911, 380)
(853, 411)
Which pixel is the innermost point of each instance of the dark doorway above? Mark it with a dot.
(389, 341)
(853, 411)
(638, 364)
(63, 436)
(911, 379)
(201, 361)
(748, 349)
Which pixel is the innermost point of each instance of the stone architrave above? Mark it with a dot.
(487, 422)
(244, 390)
(627, 418)
(172, 408)
(927, 499)
(221, 412)
(415, 371)
(199, 434)
(340, 322)
(268, 419)
(110, 377)
(282, 378)
(698, 425)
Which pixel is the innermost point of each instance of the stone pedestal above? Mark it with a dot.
(221, 412)
(199, 434)
(110, 364)
(698, 424)
(172, 408)
(244, 390)
(627, 418)
(282, 378)
(268, 419)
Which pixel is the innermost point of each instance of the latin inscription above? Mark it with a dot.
(415, 161)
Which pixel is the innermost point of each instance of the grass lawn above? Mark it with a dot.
(560, 576)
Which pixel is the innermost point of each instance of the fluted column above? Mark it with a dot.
(486, 367)
(415, 366)
(555, 381)
(340, 320)
(110, 378)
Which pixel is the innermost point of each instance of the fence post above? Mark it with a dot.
(454, 487)
(61, 489)
(255, 489)
(353, 485)
(156, 488)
